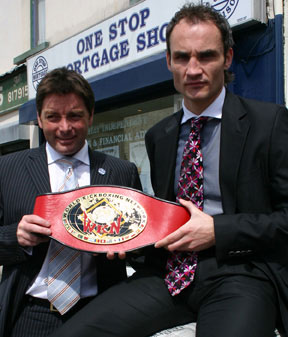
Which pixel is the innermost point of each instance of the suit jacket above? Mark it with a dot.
(23, 176)
(253, 182)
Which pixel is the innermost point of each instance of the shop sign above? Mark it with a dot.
(13, 91)
(130, 36)
(240, 12)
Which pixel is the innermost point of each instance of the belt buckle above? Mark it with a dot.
(52, 308)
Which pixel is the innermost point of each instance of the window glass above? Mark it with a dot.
(120, 132)
(38, 22)
(132, 2)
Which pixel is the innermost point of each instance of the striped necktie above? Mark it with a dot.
(181, 266)
(64, 268)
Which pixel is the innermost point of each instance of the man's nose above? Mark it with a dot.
(64, 124)
(194, 67)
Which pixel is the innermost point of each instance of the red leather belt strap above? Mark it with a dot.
(109, 218)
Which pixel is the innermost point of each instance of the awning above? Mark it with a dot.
(13, 132)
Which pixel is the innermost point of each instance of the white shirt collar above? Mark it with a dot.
(214, 110)
(53, 155)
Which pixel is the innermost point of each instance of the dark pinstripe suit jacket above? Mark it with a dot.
(23, 176)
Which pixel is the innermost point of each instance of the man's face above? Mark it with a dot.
(65, 121)
(197, 62)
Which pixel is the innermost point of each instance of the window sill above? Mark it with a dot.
(22, 58)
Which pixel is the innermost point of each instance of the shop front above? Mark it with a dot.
(13, 93)
(123, 58)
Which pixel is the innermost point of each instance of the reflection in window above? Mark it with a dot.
(121, 132)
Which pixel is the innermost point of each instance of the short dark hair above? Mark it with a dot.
(62, 81)
(202, 13)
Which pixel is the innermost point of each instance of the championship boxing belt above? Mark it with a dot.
(108, 218)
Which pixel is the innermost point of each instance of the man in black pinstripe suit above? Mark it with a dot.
(65, 105)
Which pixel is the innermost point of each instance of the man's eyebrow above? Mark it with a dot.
(207, 52)
(76, 110)
(73, 110)
(180, 53)
(48, 110)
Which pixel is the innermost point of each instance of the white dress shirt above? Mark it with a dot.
(214, 110)
(56, 176)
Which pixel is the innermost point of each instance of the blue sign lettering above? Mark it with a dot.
(134, 22)
(77, 66)
(151, 37)
(95, 60)
(85, 61)
(112, 31)
(116, 52)
(121, 24)
(144, 14)
(80, 46)
(92, 59)
(86, 44)
(124, 49)
(98, 38)
(162, 34)
(105, 58)
(141, 42)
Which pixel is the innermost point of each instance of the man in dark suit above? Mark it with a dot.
(239, 235)
(65, 105)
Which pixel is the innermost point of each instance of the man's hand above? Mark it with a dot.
(111, 255)
(195, 235)
(32, 230)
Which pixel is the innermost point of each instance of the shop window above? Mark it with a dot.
(120, 132)
(133, 2)
(37, 22)
(14, 147)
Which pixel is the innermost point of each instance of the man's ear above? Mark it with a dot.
(228, 59)
(168, 60)
(39, 120)
(91, 118)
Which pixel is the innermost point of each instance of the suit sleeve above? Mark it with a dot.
(150, 150)
(135, 179)
(10, 251)
(14, 200)
(259, 228)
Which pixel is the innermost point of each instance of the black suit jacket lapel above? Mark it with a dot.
(100, 173)
(234, 129)
(37, 168)
(166, 155)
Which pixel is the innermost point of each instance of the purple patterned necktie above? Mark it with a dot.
(181, 266)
